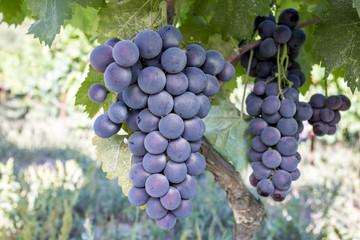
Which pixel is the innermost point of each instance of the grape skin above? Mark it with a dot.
(187, 188)
(178, 150)
(131, 120)
(204, 105)
(97, 93)
(287, 146)
(138, 196)
(184, 210)
(266, 28)
(154, 163)
(271, 105)
(195, 164)
(157, 185)
(197, 79)
(167, 222)
(146, 121)
(282, 180)
(117, 78)
(101, 57)
(171, 36)
(194, 129)
(125, 53)
(270, 136)
(171, 200)
(154, 208)
(160, 104)
(177, 83)
(104, 127)
(155, 143)
(212, 86)
(173, 60)
(138, 175)
(258, 145)
(257, 125)
(118, 112)
(214, 62)
(135, 98)
(151, 80)
(187, 105)
(171, 126)
(175, 172)
(195, 55)
(149, 43)
(271, 158)
(136, 143)
(227, 73)
(265, 187)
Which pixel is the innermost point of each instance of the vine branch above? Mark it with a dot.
(170, 11)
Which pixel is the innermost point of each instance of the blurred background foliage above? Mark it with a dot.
(52, 186)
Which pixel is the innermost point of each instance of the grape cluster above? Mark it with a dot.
(326, 112)
(274, 104)
(163, 92)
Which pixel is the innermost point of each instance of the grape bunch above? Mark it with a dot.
(163, 94)
(326, 112)
(274, 104)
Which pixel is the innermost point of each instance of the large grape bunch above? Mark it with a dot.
(274, 104)
(326, 112)
(163, 94)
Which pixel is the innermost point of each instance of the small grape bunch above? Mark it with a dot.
(162, 94)
(326, 112)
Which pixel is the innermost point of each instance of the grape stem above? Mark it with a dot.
(246, 81)
(234, 57)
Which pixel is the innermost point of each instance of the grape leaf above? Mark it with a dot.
(339, 44)
(81, 97)
(116, 159)
(231, 137)
(82, 17)
(128, 17)
(12, 11)
(356, 4)
(52, 14)
(230, 18)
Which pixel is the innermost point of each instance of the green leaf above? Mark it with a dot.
(228, 133)
(356, 4)
(116, 159)
(185, 6)
(339, 44)
(82, 17)
(81, 97)
(52, 14)
(128, 17)
(12, 11)
(230, 18)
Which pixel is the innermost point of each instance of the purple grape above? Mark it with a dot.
(194, 129)
(303, 111)
(227, 73)
(118, 112)
(268, 48)
(172, 199)
(212, 86)
(151, 80)
(204, 105)
(184, 210)
(271, 118)
(146, 121)
(187, 105)
(281, 180)
(266, 28)
(278, 195)
(289, 163)
(298, 39)
(257, 125)
(154, 208)
(138, 196)
(177, 83)
(272, 89)
(175, 172)
(320, 128)
(287, 108)
(214, 62)
(149, 43)
(253, 180)
(136, 143)
(126, 53)
(117, 78)
(135, 69)
(265, 187)
(157, 185)
(336, 118)
(161, 104)
(261, 172)
(253, 107)
(195, 164)
(195, 145)
(287, 146)
(258, 145)
(155, 143)
(316, 115)
(345, 105)
(271, 158)
(195, 55)
(332, 130)
(270, 136)
(132, 119)
(170, 35)
(289, 17)
(154, 163)
(104, 127)
(171, 126)
(317, 100)
(259, 88)
(97, 93)
(173, 60)
(271, 105)
(187, 188)
(287, 126)
(178, 150)
(101, 57)
(135, 98)
(296, 82)
(166, 222)
(112, 41)
(197, 79)
(291, 93)
(137, 159)
(282, 34)
(138, 175)
(295, 175)
(327, 115)
(263, 68)
(254, 156)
